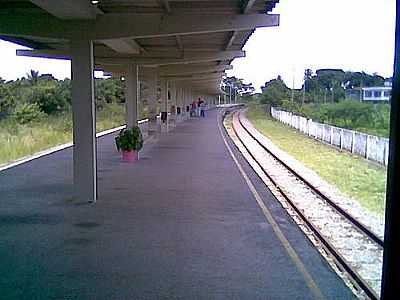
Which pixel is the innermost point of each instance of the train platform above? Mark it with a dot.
(182, 223)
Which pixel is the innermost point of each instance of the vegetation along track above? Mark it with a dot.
(355, 249)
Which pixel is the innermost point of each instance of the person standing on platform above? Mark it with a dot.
(203, 109)
(199, 101)
(193, 109)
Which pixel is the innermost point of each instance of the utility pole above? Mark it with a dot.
(304, 87)
(236, 94)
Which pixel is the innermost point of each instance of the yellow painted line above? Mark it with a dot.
(278, 232)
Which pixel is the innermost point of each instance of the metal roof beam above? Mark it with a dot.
(179, 43)
(166, 6)
(131, 26)
(247, 7)
(194, 76)
(172, 25)
(189, 68)
(173, 70)
(199, 81)
(196, 71)
(187, 59)
(231, 39)
(69, 9)
(123, 46)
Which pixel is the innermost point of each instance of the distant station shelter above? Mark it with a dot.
(376, 94)
(372, 94)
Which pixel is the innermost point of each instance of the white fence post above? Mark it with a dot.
(341, 139)
(353, 141)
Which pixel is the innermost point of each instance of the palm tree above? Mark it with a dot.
(33, 77)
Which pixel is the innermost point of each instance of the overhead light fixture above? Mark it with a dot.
(94, 2)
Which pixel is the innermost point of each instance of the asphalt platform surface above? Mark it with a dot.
(179, 224)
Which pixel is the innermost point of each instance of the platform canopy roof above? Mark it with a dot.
(191, 41)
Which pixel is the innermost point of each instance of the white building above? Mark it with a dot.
(378, 93)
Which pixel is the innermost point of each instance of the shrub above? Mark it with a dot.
(290, 106)
(49, 98)
(365, 117)
(26, 113)
(129, 139)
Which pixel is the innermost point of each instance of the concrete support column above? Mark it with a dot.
(191, 95)
(179, 103)
(164, 105)
(189, 98)
(185, 113)
(187, 103)
(132, 94)
(183, 103)
(84, 121)
(172, 104)
(153, 88)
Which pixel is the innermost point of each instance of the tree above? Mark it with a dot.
(48, 98)
(237, 85)
(308, 73)
(7, 101)
(274, 92)
(110, 90)
(32, 77)
(361, 79)
(324, 85)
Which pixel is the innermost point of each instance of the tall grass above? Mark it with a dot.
(19, 140)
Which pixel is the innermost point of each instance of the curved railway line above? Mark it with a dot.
(354, 248)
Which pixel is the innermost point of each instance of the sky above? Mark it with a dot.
(353, 35)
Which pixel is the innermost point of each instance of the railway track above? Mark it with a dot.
(353, 247)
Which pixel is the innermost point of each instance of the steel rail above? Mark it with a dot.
(339, 259)
(359, 225)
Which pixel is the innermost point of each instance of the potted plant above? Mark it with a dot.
(129, 141)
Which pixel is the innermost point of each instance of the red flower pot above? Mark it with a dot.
(130, 156)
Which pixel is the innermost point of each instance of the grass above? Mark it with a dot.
(352, 175)
(381, 132)
(17, 140)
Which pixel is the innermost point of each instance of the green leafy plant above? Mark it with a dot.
(129, 139)
(26, 113)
